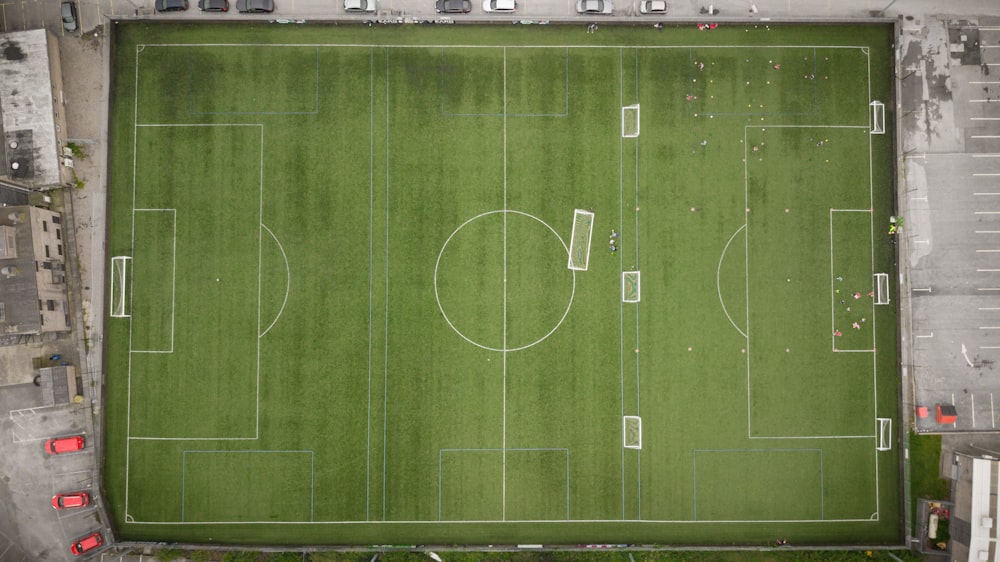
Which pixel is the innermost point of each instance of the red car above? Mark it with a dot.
(71, 500)
(88, 543)
(64, 445)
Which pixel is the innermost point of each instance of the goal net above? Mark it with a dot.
(120, 266)
(878, 118)
(884, 434)
(579, 241)
(632, 432)
(881, 288)
(630, 286)
(630, 121)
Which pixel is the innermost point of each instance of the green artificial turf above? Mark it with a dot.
(352, 318)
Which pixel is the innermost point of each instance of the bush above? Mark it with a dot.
(169, 554)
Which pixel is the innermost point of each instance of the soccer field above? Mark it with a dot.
(502, 284)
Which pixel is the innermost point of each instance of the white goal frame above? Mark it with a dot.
(878, 118)
(119, 273)
(572, 240)
(627, 134)
(884, 434)
(638, 285)
(625, 420)
(881, 288)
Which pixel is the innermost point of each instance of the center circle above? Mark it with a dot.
(501, 280)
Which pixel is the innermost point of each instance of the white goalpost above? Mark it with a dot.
(632, 432)
(878, 118)
(881, 288)
(579, 240)
(630, 121)
(884, 434)
(120, 266)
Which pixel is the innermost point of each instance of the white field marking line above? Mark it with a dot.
(260, 228)
(638, 387)
(431, 522)
(128, 393)
(173, 280)
(503, 500)
(260, 263)
(746, 268)
(495, 450)
(780, 450)
(482, 46)
(154, 125)
(312, 485)
(385, 352)
(288, 279)
(371, 252)
(437, 295)
(621, 310)
(718, 276)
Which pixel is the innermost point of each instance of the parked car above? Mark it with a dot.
(64, 444)
(359, 5)
(499, 5)
(594, 6)
(71, 500)
(69, 16)
(171, 5)
(454, 6)
(86, 544)
(652, 7)
(255, 6)
(213, 5)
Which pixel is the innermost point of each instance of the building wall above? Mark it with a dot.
(49, 251)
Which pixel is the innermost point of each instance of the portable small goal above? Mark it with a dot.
(579, 240)
(120, 266)
(630, 121)
(881, 288)
(878, 118)
(630, 286)
(884, 434)
(632, 432)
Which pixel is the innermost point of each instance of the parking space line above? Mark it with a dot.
(989, 327)
(985, 136)
(985, 174)
(988, 289)
(973, 398)
(988, 232)
(993, 417)
(984, 119)
(989, 308)
(925, 336)
(986, 212)
(987, 192)
(987, 251)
